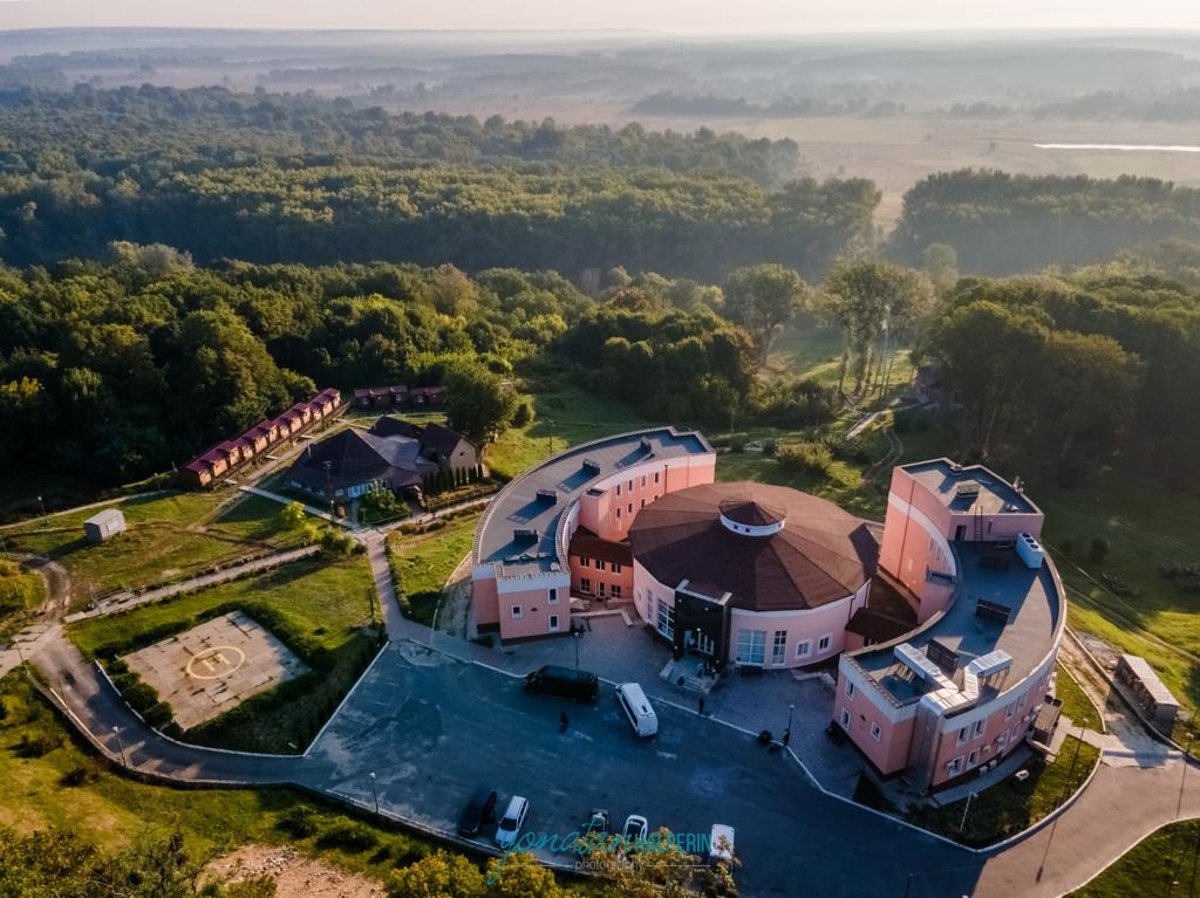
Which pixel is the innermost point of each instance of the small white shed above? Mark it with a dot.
(104, 525)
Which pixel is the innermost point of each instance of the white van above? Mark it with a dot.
(510, 824)
(637, 708)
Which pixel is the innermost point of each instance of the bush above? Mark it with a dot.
(351, 837)
(523, 414)
(37, 745)
(738, 443)
(82, 775)
(806, 457)
(769, 446)
(300, 822)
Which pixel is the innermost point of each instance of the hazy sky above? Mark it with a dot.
(675, 15)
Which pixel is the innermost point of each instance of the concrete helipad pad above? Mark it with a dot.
(213, 668)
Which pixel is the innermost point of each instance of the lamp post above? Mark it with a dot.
(374, 791)
(788, 731)
(578, 635)
(120, 746)
(45, 517)
(328, 465)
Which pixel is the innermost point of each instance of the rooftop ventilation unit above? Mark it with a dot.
(525, 535)
(1030, 551)
(942, 655)
(992, 611)
(547, 497)
(917, 663)
(967, 488)
(591, 465)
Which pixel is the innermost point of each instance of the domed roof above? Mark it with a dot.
(792, 551)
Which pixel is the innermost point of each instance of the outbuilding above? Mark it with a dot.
(104, 525)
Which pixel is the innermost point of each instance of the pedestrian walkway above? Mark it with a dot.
(125, 601)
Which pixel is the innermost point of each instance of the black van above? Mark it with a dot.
(563, 682)
(480, 810)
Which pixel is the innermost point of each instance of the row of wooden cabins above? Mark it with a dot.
(400, 396)
(222, 458)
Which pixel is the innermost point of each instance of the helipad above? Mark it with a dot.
(212, 668)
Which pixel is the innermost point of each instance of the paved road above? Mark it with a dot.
(126, 601)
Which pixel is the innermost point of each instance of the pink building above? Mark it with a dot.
(575, 507)
(961, 691)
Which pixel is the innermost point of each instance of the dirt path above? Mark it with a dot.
(293, 873)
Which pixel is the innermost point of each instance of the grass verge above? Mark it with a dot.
(421, 564)
(1165, 862)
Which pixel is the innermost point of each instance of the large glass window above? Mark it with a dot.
(666, 619)
(751, 646)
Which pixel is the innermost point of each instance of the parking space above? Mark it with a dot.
(621, 653)
(431, 729)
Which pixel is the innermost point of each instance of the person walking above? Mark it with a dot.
(701, 704)
(563, 722)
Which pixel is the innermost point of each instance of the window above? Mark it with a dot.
(616, 566)
(1009, 711)
(823, 643)
(643, 505)
(630, 508)
(1021, 701)
(779, 647)
(962, 735)
(803, 648)
(955, 766)
(552, 598)
(849, 689)
(751, 646)
(599, 565)
(656, 476)
(618, 489)
(665, 619)
(643, 480)
(616, 591)
(585, 585)
(845, 718)
(618, 514)
(876, 732)
(516, 611)
(554, 622)
(631, 486)
(584, 561)
(978, 731)
(973, 758)
(600, 589)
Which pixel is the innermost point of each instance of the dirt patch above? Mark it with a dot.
(293, 873)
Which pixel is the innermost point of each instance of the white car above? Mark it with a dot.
(510, 824)
(635, 830)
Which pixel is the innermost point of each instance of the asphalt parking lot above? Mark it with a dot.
(431, 729)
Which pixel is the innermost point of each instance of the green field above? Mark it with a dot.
(1163, 863)
(317, 607)
(1075, 703)
(421, 563)
(569, 416)
(169, 537)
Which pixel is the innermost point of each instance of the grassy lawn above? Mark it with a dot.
(317, 607)
(1151, 867)
(169, 537)
(808, 349)
(421, 563)
(1075, 703)
(571, 416)
(1009, 807)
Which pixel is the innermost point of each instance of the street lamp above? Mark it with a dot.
(578, 634)
(791, 708)
(962, 824)
(328, 465)
(120, 746)
(45, 517)
(374, 791)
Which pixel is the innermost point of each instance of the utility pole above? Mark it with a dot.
(121, 747)
(45, 517)
(374, 791)
(962, 824)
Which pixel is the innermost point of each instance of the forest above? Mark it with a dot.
(273, 180)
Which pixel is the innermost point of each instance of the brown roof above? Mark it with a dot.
(589, 545)
(820, 555)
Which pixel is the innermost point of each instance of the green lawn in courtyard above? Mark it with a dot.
(1165, 862)
(318, 607)
(169, 537)
(1009, 807)
(421, 563)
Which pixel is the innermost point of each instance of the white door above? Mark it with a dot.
(704, 643)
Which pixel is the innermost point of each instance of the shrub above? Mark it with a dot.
(806, 457)
(300, 822)
(37, 745)
(769, 446)
(351, 837)
(523, 414)
(738, 443)
(81, 775)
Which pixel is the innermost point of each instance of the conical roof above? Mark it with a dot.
(819, 555)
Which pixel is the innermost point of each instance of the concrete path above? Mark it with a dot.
(125, 601)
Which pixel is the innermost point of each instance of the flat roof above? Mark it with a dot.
(568, 475)
(966, 488)
(1035, 607)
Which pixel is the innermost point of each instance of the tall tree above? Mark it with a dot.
(763, 298)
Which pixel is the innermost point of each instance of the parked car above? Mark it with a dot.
(597, 825)
(720, 844)
(637, 709)
(564, 682)
(635, 829)
(509, 827)
(481, 809)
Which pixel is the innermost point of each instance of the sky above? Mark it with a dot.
(689, 16)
